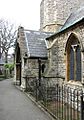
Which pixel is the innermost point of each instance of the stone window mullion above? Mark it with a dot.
(74, 63)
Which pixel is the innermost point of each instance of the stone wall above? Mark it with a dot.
(33, 67)
(31, 71)
(23, 49)
(57, 56)
(53, 13)
(21, 41)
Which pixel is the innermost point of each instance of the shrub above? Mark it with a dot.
(9, 67)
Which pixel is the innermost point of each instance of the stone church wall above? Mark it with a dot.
(57, 53)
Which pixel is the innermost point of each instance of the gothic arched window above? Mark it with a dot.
(73, 58)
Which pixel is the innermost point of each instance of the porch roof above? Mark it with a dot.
(36, 44)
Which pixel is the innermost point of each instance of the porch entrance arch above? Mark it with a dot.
(18, 65)
(73, 59)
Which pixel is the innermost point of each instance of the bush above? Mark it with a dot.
(9, 66)
(8, 69)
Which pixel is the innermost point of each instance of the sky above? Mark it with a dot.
(21, 12)
(24, 13)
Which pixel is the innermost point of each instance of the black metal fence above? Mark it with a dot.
(64, 102)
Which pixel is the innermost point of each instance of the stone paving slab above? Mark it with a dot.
(15, 105)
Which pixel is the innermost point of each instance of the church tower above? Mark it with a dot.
(54, 13)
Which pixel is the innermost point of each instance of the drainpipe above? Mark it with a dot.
(39, 79)
(39, 74)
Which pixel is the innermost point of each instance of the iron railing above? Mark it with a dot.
(64, 102)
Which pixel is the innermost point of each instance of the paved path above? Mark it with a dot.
(15, 105)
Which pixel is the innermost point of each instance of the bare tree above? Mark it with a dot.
(7, 37)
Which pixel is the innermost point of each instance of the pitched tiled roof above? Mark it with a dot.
(73, 19)
(36, 44)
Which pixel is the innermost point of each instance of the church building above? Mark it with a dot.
(66, 46)
(57, 49)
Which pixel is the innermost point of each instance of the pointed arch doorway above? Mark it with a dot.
(18, 65)
(73, 59)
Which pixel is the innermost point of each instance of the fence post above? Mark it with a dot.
(82, 107)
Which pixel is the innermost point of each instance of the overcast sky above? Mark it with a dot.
(21, 12)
